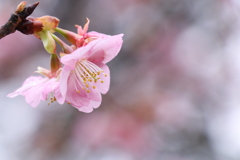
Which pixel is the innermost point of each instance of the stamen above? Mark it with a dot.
(86, 72)
(78, 81)
(51, 98)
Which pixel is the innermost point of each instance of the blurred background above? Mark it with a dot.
(175, 85)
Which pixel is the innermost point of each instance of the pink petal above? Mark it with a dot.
(93, 94)
(103, 87)
(72, 96)
(63, 81)
(70, 60)
(32, 97)
(99, 50)
(89, 108)
(106, 49)
(59, 97)
(85, 109)
(96, 34)
(94, 104)
(79, 30)
(31, 89)
(48, 87)
(28, 83)
(85, 28)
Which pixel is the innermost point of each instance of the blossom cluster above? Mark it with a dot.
(79, 74)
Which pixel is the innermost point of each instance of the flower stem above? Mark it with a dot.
(70, 36)
(54, 64)
(66, 48)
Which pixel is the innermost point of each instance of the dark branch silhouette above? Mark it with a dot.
(16, 18)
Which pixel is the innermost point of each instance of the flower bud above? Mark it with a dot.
(42, 28)
(29, 26)
(21, 7)
(48, 22)
(55, 64)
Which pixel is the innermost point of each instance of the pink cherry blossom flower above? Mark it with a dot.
(85, 74)
(37, 88)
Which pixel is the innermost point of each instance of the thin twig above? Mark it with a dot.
(19, 15)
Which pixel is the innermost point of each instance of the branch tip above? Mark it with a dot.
(19, 15)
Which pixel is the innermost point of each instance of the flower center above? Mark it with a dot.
(87, 72)
(51, 98)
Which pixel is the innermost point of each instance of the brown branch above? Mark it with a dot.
(16, 18)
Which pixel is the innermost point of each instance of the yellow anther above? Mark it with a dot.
(93, 87)
(102, 81)
(78, 91)
(88, 91)
(105, 75)
(87, 85)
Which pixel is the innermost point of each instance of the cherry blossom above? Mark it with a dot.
(36, 89)
(85, 74)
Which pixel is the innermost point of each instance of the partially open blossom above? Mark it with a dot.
(85, 74)
(37, 88)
